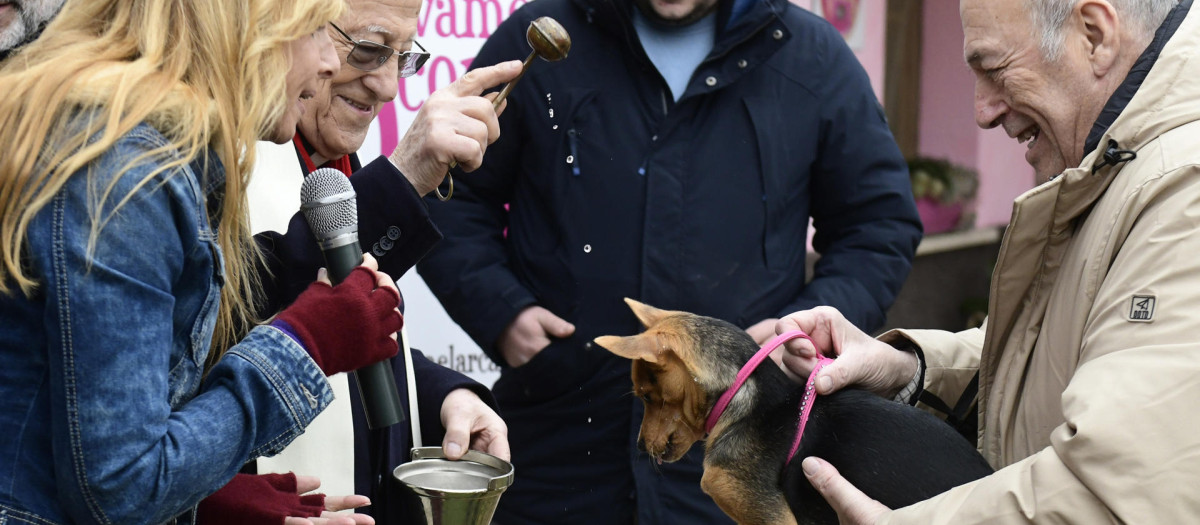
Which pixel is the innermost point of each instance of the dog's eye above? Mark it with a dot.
(646, 398)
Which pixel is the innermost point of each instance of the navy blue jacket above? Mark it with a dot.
(394, 225)
(699, 205)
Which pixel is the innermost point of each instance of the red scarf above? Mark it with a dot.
(341, 164)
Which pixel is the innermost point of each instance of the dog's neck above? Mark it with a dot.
(766, 382)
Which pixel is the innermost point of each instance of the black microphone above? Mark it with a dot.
(330, 206)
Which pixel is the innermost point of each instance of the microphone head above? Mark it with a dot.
(329, 205)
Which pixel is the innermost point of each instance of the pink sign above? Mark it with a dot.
(453, 30)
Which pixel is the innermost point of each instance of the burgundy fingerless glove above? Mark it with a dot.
(344, 327)
(254, 500)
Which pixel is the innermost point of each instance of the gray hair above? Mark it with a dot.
(1141, 16)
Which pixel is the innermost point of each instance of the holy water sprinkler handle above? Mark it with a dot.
(551, 42)
(508, 87)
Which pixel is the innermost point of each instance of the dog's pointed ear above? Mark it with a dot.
(630, 347)
(645, 313)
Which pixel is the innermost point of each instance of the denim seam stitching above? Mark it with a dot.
(276, 381)
(25, 516)
(155, 139)
(70, 394)
(275, 378)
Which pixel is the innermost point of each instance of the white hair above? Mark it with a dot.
(1142, 17)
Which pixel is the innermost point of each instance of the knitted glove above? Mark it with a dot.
(344, 327)
(257, 500)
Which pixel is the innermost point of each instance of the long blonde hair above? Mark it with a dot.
(205, 73)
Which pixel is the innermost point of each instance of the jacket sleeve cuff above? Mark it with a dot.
(434, 383)
(496, 318)
(950, 360)
(394, 223)
(912, 391)
(297, 382)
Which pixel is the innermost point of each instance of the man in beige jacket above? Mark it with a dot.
(1089, 364)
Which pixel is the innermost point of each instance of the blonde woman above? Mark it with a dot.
(127, 267)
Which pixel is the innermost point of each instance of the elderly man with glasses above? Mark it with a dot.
(374, 41)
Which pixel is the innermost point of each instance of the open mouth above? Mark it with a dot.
(355, 105)
(1029, 135)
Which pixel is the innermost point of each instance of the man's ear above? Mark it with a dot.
(1101, 29)
(645, 313)
(640, 346)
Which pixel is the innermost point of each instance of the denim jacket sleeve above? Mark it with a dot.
(138, 436)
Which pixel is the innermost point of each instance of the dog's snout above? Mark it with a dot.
(641, 444)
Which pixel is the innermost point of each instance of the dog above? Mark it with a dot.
(682, 363)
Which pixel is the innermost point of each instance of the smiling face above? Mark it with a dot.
(1049, 106)
(313, 61)
(20, 18)
(338, 117)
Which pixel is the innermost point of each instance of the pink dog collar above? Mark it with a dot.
(748, 368)
(810, 393)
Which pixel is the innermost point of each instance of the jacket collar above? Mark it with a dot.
(1124, 93)
(1043, 218)
(1157, 95)
(210, 171)
(735, 18)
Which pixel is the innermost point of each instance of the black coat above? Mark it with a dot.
(393, 220)
(699, 205)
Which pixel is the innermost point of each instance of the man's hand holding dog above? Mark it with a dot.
(861, 361)
(531, 332)
(852, 506)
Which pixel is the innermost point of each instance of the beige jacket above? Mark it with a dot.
(1090, 361)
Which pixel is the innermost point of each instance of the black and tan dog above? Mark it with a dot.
(682, 364)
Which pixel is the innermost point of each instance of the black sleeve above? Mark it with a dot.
(393, 225)
(435, 382)
(867, 227)
(469, 272)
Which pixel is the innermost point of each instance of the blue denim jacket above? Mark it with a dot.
(105, 413)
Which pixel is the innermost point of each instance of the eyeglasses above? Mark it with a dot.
(369, 56)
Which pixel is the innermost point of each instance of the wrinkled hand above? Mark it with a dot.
(530, 333)
(455, 124)
(470, 423)
(763, 331)
(852, 506)
(862, 360)
(306, 484)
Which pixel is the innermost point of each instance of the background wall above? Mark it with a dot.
(947, 118)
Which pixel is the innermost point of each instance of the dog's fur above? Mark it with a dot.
(682, 364)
